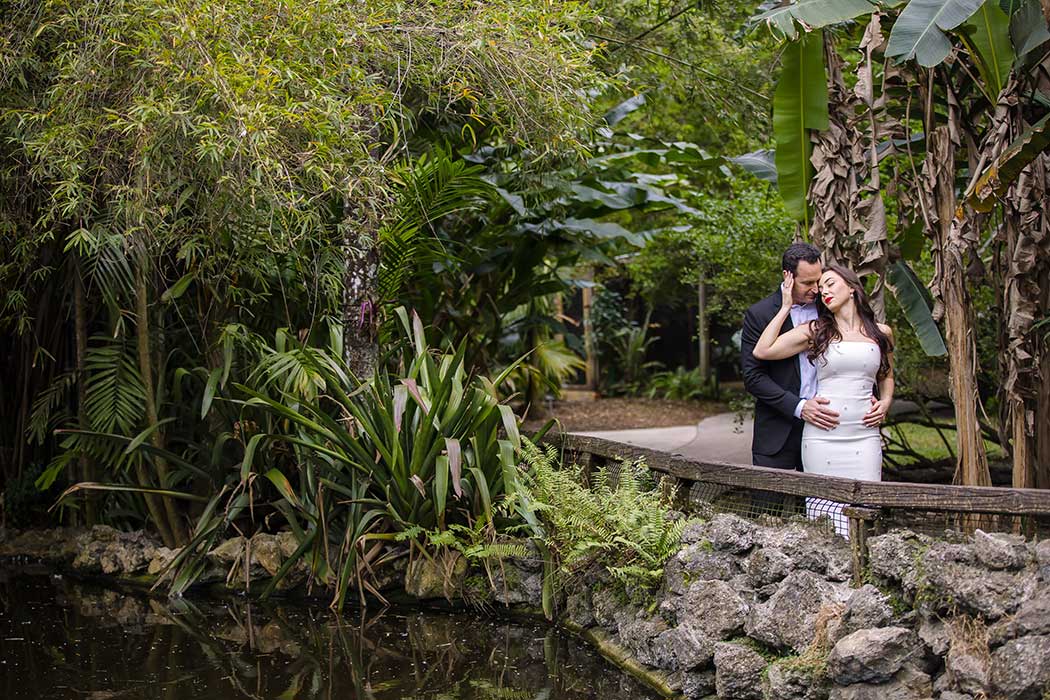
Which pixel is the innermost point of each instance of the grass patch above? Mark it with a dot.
(927, 442)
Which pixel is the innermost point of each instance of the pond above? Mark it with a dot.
(60, 638)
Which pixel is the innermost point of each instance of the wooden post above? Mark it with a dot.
(559, 315)
(860, 520)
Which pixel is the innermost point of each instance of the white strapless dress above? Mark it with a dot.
(845, 376)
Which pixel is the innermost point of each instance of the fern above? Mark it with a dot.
(621, 527)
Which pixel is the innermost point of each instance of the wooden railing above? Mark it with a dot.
(865, 500)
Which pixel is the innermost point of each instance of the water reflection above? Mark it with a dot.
(63, 639)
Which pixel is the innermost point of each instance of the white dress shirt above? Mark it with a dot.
(807, 372)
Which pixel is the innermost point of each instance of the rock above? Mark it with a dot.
(287, 543)
(892, 556)
(106, 550)
(437, 577)
(966, 666)
(871, 655)
(787, 619)
(1020, 668)
(694, 532)
(1042, 559)
(909, 684)
(699, 562)
(997, 550)
(806, 547)
(738, 672)
(579, 608)
(788, 680)
(269, 553)
(768, 566)
(638, 632)
(950, 578)
(868, 607)
(731, 533)
(1033, 617)
(161, 558)
(934, 634)
(693, 684)
(605, 606)
(683, 649)
(711, 608)
(230, 551)
(514, 585)
(951, 695)
(266, 552)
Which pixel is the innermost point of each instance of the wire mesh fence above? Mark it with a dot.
(804, 498)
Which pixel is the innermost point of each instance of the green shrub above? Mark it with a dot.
(409, 452)
(682, 385)
(619, 527)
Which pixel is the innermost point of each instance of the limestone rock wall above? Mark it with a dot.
(744, 611)
(748, 612)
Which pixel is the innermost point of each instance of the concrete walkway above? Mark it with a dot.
(719, 438)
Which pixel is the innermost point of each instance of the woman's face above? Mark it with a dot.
(834, 292)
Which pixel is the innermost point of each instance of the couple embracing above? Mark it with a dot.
(821, 370)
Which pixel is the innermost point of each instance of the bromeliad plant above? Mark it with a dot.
(416, 448)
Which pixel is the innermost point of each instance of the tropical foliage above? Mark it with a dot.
(617, 524)
(908, 132)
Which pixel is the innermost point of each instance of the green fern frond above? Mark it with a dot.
(619, 523)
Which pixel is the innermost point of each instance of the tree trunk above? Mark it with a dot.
(163, 513)
(360, 277)
(87, 470)
(703, 329)
(1042, 423)
(591, 368)
(951, 249)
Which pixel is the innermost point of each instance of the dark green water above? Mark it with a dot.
(63, 639)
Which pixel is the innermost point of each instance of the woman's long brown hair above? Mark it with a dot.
(826, 331)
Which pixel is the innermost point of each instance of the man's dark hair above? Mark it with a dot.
(798, 252)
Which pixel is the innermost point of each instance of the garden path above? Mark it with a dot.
(719, 438)
(724, 437)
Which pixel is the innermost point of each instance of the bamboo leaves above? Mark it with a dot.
(919, 31)
(799, 106)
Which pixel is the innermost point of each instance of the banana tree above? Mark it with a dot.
(992, 92)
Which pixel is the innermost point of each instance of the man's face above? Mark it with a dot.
(807, 281)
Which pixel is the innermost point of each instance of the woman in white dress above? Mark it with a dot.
(854, 359)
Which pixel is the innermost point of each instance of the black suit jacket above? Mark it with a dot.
(774, 384)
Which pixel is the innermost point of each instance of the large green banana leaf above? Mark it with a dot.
(919, 31)
(913, 298)
(799, 106)
(813, 14)
(987, 34)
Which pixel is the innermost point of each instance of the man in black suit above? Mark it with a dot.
(784, 390)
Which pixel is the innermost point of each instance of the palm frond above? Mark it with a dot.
(433, 188)
(116, 398)
(43, 417)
